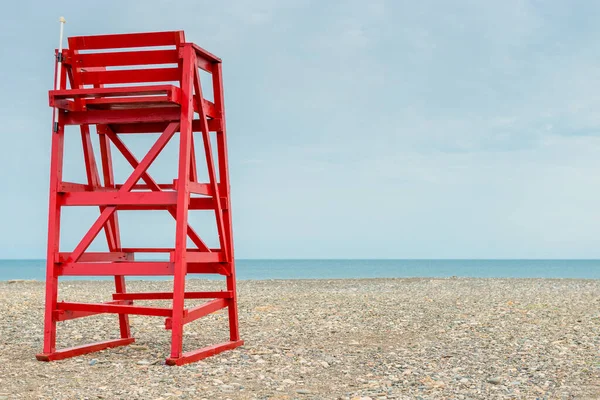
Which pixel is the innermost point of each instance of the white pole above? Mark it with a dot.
(58, 69)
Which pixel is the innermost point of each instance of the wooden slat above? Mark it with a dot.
(205, 54)
(115, 309)
(200, 311)
(196, 203)
(65, 315)
(209, 108)
(200, 188)
(150, 268)
(203, 257)
(166, 114)
(85, 349)
(98, 256)
(129, 76)
(113, 92)
(125, 58)
(119, 41)
(118, 198)
(73, 187)
(158, 250)
(169, 295)
(143, 186)
(214, 125)
(112, 103)
(207, 268)
(196, 355)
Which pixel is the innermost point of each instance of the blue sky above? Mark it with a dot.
(381, 129)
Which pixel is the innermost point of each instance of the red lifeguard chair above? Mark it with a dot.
(122, 84)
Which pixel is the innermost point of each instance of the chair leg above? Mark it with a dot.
(123, 318)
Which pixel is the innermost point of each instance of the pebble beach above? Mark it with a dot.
(452, 338)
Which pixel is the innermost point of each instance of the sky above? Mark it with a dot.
(380, 129)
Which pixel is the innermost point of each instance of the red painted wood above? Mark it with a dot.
(130, 76)
(114, 309)
(118, 198)
(64, 315)
(125, 58)
(98, 256)
(183, 198)
(130, 108)
(200, 354)
(152, 127)
(114, 92)
(200, 311)
(137, 268)
(81, 350)
(119, 41)
(169, 295)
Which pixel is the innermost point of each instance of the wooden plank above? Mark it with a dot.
(113, 92)
(214, 125)
(119, 41)
(130, 76)
(139, 268)
(115, 309)
(196, 203)
(125, 58)
(208, 268)
(166, 114)
(203, 257)
(128, 102)
(118, 198)
(98, 256)
(169, 295)
(197, 355)
(73, 187)
(85, 349)
(200, 188)
(200, 311)
(65, 315)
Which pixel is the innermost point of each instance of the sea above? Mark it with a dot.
(352, 269)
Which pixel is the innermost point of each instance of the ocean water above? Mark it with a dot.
(334, 269)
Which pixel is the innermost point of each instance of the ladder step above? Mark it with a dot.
(114, 309)
(225, 294)
(150, 268)
(118, 198)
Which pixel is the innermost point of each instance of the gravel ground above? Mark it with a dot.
(325, 339)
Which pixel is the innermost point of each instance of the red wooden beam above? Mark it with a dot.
(85, 349)
(64, 315)
(125, 58)
(150, 268)
(200, 354)
(113, 92)
(120, 41)
(196, 203)
(214, 125)
(169, 295)
(118, 198)
(159, 250)
(98, 256)
(200, 311)
(208, 268)
(114, 309)
(203, 257)
(130, 76)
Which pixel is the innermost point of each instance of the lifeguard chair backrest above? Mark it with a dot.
(111, 60)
